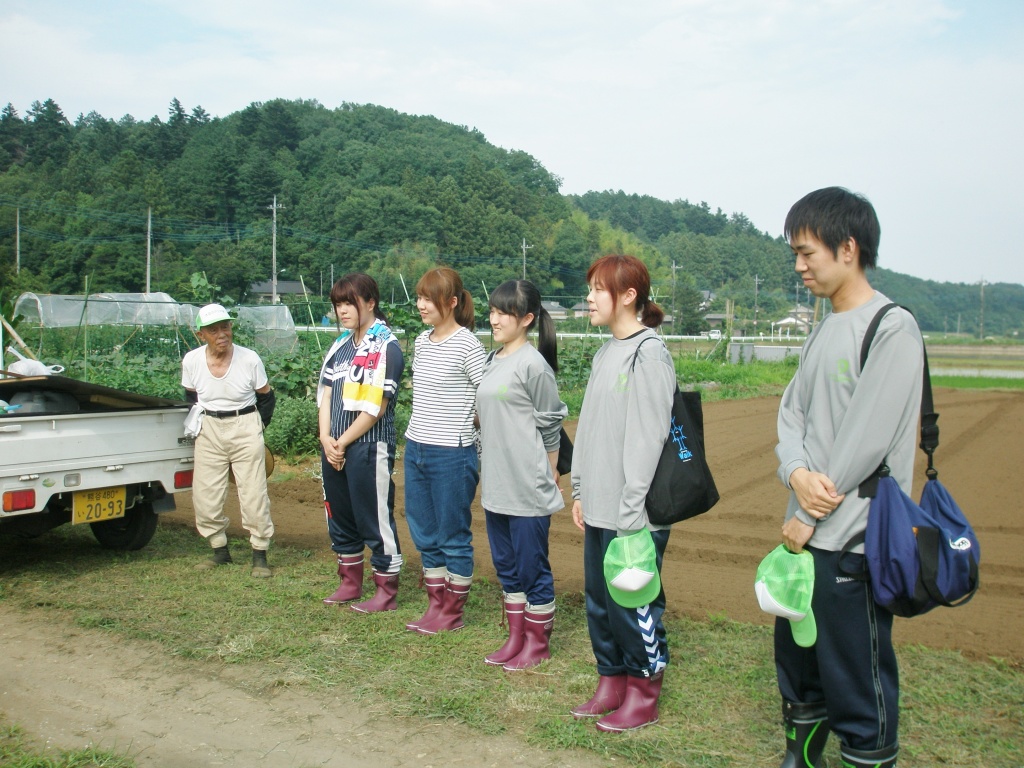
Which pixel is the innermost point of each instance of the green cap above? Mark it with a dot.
(631, 569)
(784, 587)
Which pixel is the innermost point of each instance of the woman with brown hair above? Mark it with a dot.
(441, 463)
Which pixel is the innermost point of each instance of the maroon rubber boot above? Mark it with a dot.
(610, 693)
(513, 613)
(433, 582)
(385, 598)
(537, 635)
(640, 707)
(449, 618)
(350, 571)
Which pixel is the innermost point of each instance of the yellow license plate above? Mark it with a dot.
(97, 505)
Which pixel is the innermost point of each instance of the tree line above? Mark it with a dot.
(369, 188)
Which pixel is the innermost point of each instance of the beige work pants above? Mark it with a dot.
(232, 445)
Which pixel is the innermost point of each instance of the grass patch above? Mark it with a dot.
(719, 707)
(977, 382)
(17, 751)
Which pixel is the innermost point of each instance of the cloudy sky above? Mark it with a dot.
(744, 104)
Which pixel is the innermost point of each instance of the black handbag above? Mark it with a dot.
(564, 465)
(682, 486)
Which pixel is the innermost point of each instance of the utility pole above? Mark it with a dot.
(149, 243)
(757, 282)
(525, 248)
(273, 252)
(982, 323)
(675, 319)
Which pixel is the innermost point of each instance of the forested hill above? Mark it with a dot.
(726, 253)
(366, 187)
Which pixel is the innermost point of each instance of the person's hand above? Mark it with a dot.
(815, 493)
(333, 452)
(577, 513)
(795, 534)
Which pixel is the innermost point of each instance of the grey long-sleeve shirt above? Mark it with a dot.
(623, 426)
(843, 422)
(520, 417)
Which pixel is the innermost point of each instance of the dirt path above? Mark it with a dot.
(710, 562)
(70, 688)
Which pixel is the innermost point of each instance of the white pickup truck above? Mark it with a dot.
(79, 453)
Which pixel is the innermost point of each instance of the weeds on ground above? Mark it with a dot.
(719, 705)
(16, 751)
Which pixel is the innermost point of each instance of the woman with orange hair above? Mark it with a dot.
(623, 425)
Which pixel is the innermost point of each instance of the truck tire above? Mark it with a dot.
(133, 531)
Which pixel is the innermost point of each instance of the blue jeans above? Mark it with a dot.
(440, 483)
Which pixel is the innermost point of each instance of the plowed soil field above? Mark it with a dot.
(710, 563)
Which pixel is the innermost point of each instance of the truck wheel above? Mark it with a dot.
(133, 531)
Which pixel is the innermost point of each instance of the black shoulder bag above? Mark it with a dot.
(682, 486)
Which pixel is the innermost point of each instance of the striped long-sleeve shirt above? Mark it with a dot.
(445, 376)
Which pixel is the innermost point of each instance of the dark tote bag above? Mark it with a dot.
(683, 486)
(564, 465)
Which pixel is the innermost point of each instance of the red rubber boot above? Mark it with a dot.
(514, 605)
(386, 596)
(640, 707)
(610, 693)
(350, 571)
(449, 618)
(433, 581)
(537, 633)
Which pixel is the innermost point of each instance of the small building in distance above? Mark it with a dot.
(556, 310)
(261, 292)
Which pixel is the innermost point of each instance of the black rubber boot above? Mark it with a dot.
(260, 569)
(806, 734)
(879, 758)
(221, 556)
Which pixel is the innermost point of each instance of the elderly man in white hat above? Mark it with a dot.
(229, 383)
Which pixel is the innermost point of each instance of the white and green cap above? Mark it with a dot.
(210, 314)
(631, 569)
(784, 586)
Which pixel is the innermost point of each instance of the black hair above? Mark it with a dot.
(358, 285)
(520, 298)
(833, 215)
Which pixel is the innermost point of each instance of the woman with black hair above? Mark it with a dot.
(520, 419)
(356, 398)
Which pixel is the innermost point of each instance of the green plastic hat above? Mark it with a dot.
(631, 569)
(784, 586)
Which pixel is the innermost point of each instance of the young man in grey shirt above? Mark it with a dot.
(836, 425)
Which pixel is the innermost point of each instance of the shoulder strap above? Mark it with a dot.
(869, 334)
(636, 353)
(929, 418)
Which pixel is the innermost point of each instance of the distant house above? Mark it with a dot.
(717, 319)
(261, 292)
(798, 320)
(556, 310)
(581, 310)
